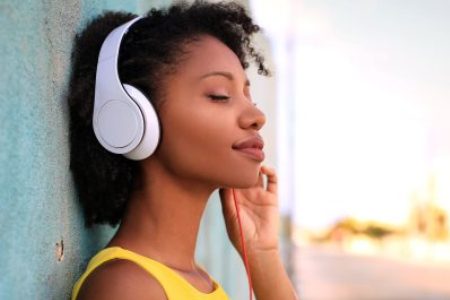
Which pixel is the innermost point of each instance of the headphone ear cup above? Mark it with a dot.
(151, 134)
(118, 125)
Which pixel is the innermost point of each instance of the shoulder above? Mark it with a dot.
(120, 279)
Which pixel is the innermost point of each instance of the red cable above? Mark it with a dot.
(247, 266)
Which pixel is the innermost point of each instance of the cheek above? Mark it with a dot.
(197, 139)
(198, 146)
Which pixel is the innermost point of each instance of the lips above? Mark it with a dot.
(251, 146)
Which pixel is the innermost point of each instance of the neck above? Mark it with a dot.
(163, 217)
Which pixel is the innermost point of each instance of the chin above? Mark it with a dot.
(243, 180)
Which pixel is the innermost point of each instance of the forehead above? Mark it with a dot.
(208, 54)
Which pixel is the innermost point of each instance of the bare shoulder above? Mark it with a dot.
(120, 279)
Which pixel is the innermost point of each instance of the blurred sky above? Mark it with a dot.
(372, 104)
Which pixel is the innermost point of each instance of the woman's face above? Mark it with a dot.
(207, 110)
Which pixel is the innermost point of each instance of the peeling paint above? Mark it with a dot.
(60, 250)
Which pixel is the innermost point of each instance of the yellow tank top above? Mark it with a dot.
(174, 285)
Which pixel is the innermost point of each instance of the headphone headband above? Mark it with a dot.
(110, 86)
(124, 120)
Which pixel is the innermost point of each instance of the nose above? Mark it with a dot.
(252, 118)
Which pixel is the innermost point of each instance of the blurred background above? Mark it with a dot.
(363, 144)
(357, 128)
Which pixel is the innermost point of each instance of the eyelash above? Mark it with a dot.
(223, 98)
(219, 97)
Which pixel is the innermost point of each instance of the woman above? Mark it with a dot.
(189, 60)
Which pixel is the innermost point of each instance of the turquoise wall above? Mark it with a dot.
(43, 243)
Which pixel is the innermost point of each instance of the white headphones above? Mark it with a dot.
(124, 120)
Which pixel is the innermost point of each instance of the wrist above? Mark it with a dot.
(265, 251)
(269, 277)
(261, 258)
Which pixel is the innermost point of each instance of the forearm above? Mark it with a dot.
(269, 277)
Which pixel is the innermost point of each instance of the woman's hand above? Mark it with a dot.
(258, 207)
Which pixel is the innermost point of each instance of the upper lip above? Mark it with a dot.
(254, 141)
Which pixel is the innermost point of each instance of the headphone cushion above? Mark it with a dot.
(151, 134)
(119, 125)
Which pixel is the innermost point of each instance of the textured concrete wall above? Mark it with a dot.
(39, 215)
(43, 243)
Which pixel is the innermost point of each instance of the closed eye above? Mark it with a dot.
(218, 97)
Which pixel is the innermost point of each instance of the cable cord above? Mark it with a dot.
(244, 250)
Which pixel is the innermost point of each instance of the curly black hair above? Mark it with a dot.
(149, 51)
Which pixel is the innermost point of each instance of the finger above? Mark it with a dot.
(260, 179)
(272, 179)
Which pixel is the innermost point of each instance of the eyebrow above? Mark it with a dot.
(227, 75)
